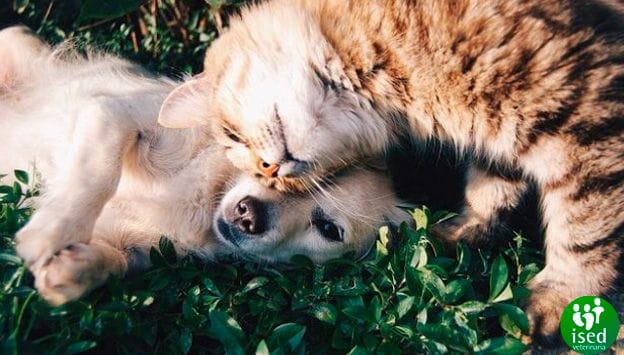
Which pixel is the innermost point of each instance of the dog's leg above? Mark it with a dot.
(88, 178)
(78, 269)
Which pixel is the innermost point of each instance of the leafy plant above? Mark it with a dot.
(409, 296)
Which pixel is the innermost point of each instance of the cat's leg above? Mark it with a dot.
(584, 250)
(87, 179)
(490, 197)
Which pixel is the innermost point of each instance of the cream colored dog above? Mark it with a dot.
(114, 181)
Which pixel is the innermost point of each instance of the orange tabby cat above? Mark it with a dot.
(532, 88)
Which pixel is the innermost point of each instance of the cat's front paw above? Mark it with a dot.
(45, 235)
(71, 273)
(463, 227)
(544, 309)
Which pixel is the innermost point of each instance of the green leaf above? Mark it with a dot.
(527, 273)
(502, 346)
(358, 350)
(10, 259)
(509, 326)
(94, 9)
(360, 313)
(383, 236)
(464, 258)
(515, 315)
(433, 283)
(325, 312)
(159, 283)
(382, 242)
(227, 331)
(441, 216)
(472, 307)
(499, 277)
(388, 348)
(288, 336)
(405, 304)
(262, 348)
(419, 258)
(464, 328)
(520, 293)
(21, 176)
(420, 217)
(17, 189)
(446, 335)
(505, 295)
(255, 283)
(405, 332)
(456, 289)
(375, 307)
(79, 347)
(302, 261)
(210, 286)
(114, 306)
(186, 340)
(167, 249)
(20, 5)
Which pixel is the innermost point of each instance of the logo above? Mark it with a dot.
(589, 325)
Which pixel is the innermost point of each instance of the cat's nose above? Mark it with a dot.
(250, 216)
(269, 170)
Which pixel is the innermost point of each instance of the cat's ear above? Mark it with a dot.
(332, 73)
(188, 105)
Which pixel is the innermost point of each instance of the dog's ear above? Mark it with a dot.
(188, 105)
(19, 47)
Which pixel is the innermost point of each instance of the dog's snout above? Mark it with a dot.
(250, 216)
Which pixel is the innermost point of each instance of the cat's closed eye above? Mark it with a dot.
(234, 137)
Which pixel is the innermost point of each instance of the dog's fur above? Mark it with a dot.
(114, 181)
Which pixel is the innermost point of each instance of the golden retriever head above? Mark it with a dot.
(264, 224)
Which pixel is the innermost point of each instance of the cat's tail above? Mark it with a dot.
(19, 49)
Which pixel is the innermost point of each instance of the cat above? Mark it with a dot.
(114, 181)
(532, 90)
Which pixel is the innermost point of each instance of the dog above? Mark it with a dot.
(113, 181)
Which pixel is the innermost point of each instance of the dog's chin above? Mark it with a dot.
(228, 235)
(232, 248)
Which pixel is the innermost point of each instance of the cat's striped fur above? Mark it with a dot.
(535, 88)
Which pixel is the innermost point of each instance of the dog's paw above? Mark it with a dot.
(71, 273)
(46, 235)
(544, 309)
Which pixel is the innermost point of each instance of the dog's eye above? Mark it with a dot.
(329, 230)
(231, 135)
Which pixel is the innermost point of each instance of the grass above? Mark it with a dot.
(409, 296)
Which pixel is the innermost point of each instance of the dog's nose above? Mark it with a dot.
(269, 170)
(250, 216)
